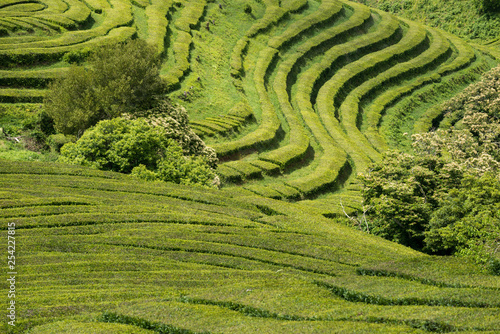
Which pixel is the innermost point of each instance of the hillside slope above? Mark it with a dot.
(100, 253)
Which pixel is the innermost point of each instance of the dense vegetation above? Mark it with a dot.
(297, 98)
(445, 197)
(119, 79)
(476, 20)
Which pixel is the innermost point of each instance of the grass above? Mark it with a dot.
(279, 91)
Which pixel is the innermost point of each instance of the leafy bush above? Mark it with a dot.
(133, 146)
(58, 140)
(402, 193)
(120, 78)
(175, 121)
(445, 198)
(488, 6)
(77, 56)
(468, 220)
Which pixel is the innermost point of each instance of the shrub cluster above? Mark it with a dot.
(445, 198)
(133, 146)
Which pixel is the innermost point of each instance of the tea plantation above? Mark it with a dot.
(297, 97)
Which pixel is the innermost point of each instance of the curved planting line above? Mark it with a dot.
(359, 297)
(351, 108)
(384, 34)
(158, 327)
(344, 80)
(117, 17)
(421, 280)
(191, 14)
(273, 15)
(334, 159)
(173, 217)
(326, 13)
(237, 116)
(299, 136)
(240, 252)
(77, 12)
(30, 79)
(270, 124)
(97, 5)
(308, 251)
(246, 310)
(430, 96)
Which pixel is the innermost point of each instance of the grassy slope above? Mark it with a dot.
(90, 243)
(96, 246)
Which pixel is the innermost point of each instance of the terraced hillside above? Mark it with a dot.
(297, 97)
(331, 86)
(98, 252)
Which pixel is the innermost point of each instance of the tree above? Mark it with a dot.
(467, 221)
(133, 146)
(118, 79)
(488, 6)
(174, 119)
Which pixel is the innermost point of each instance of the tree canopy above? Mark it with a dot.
(118, 79)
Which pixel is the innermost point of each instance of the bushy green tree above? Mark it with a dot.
(118, 79)
(488, 6)
(445, 197)
(402, 192)
(134, 146)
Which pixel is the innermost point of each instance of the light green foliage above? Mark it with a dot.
(462, 18)
(120, 78)
(473, 141)
(184, 170)
(118, 145)
(133, 146)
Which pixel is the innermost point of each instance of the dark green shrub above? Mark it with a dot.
(77, 56)
(121, 78)
(494, 266)
(248, 9)
(133, 146)
(489, 6)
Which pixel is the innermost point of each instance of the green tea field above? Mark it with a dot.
(99, 253)
(297, 97)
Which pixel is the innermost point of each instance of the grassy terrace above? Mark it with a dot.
(297, 97)
(101, 253)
